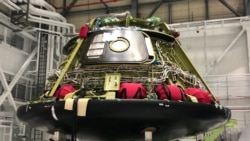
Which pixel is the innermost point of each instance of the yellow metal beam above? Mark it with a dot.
(66, 67)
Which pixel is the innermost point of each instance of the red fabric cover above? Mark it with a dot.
(83, 31)
(131, 91)
(64, 90)
(170, 92)
(201, 95)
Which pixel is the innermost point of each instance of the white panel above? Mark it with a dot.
(11, 59)
(205, 42)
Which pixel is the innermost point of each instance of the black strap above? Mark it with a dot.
(183, 98)
(166, 90)
(74, 120)
(123, 93)
(59, 93)
(82, 93)
(138, 92)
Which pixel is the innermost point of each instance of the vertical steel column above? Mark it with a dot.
(5, 35)
(64, 5)
(206, 10)
(248, 46)
(27, 11)
(247, 7)
(189, 19)
(169, 13)
(67, 9)
(134, 8)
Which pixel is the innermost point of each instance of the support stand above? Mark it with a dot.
(148, 133)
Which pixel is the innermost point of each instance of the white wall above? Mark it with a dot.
(217, 47)
(220, 51)
(11, 59)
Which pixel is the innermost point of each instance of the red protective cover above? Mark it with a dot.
(170, 92)
(64, 90)
(83, 31)
(201, 95)
(131, 91)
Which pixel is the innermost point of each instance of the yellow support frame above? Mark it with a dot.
(66, 67)
(216, 132)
